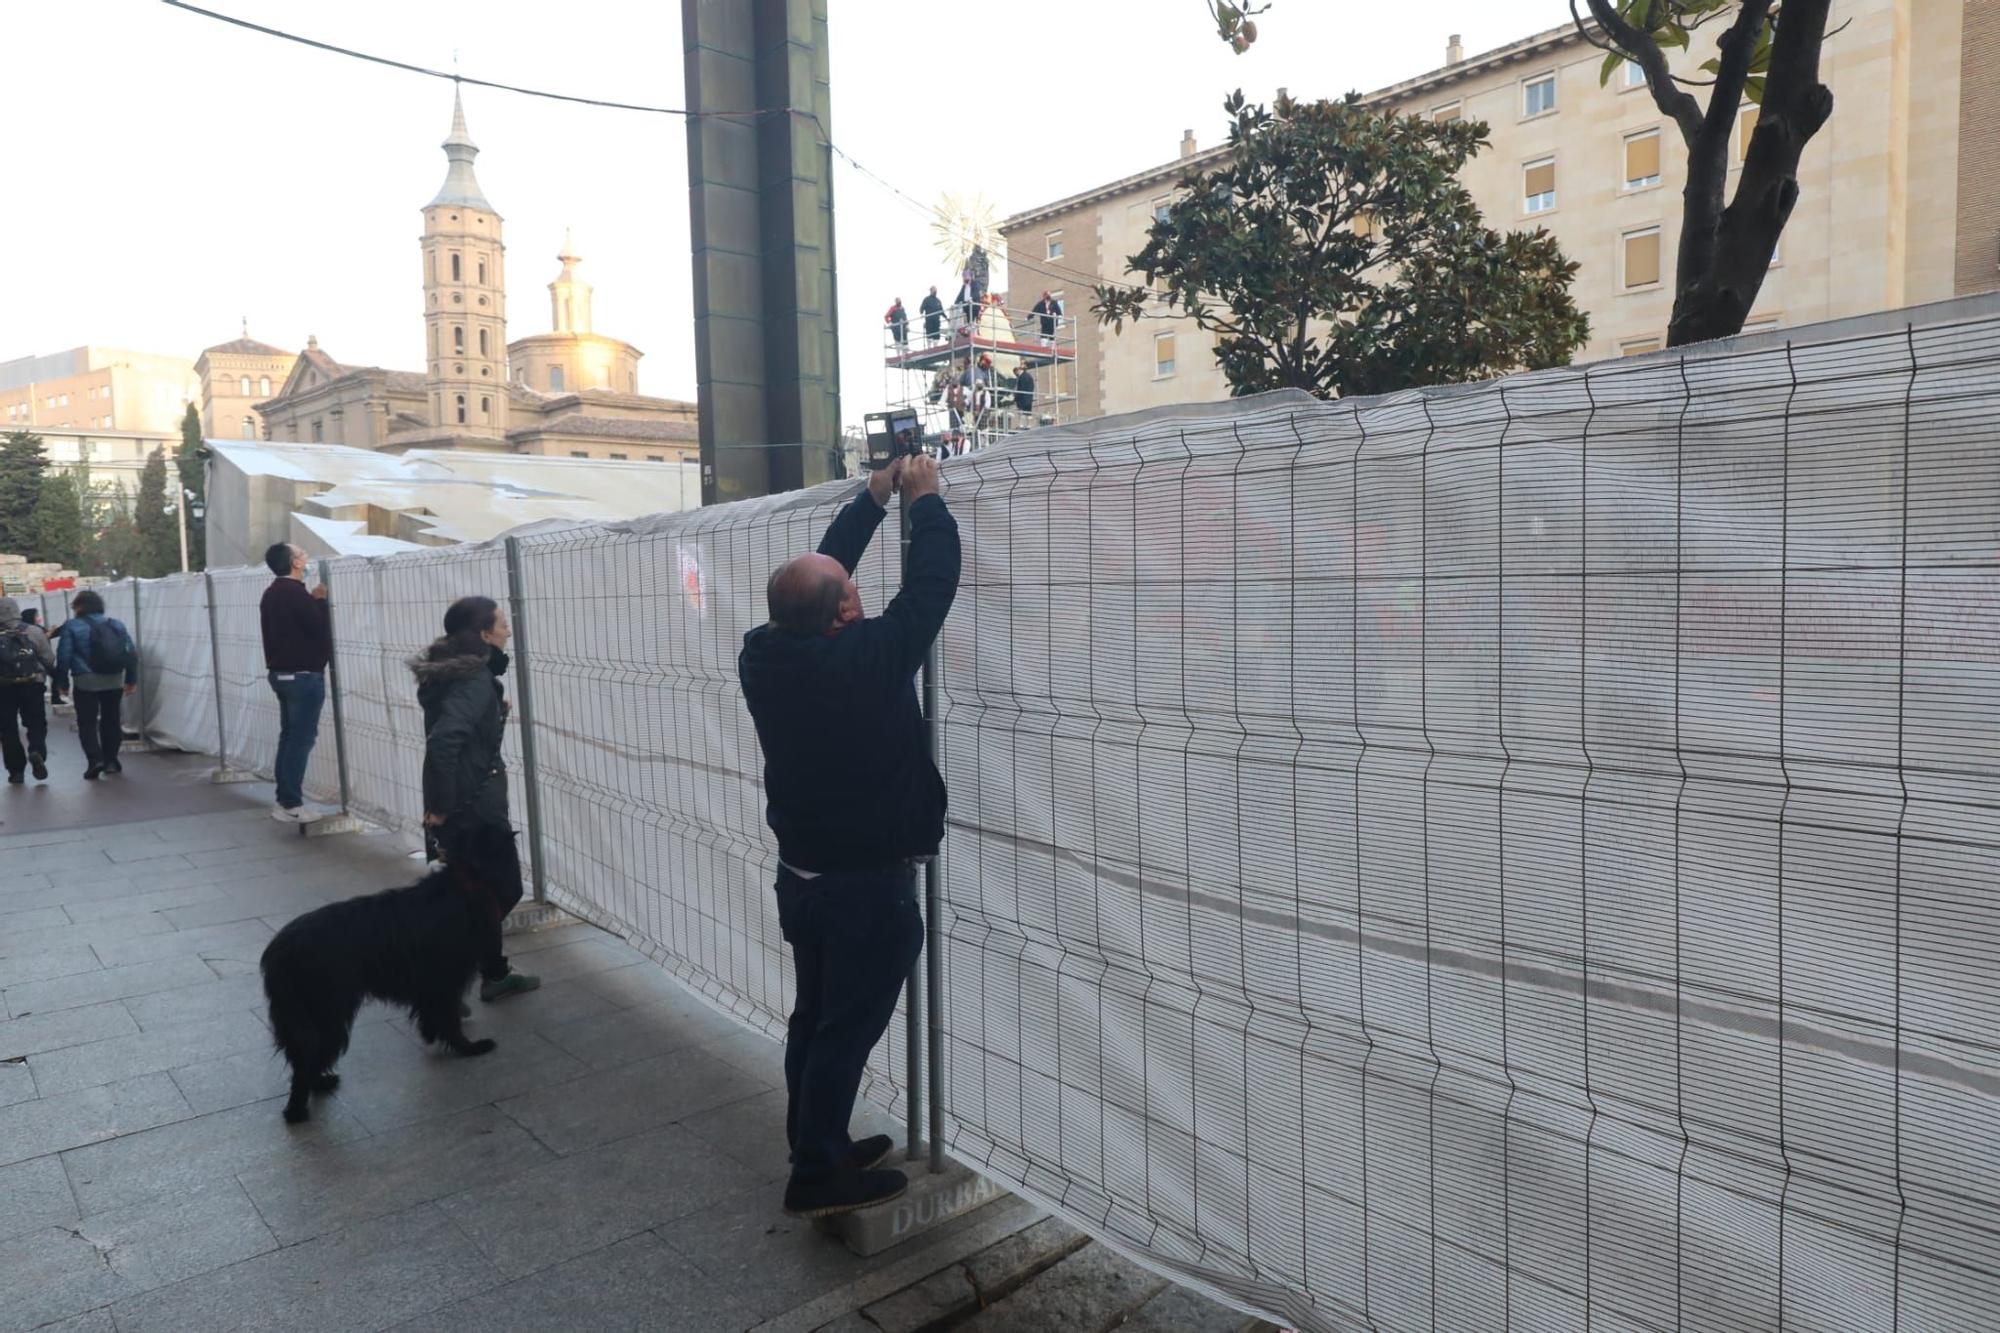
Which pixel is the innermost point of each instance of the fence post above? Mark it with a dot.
(333, 688)
(913, 994)
(933, 939)
(517, 607)
(215, 674)
(139, 653)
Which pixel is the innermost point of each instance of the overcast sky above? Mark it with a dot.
(171, 174)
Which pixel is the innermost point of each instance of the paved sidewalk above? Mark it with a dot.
(616, 1163)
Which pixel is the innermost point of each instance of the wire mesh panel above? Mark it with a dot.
(1518, 855)
(651, 776)
(176, 664)
(250, 708)
(386, 611)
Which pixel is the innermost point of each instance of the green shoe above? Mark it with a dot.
(514, 983)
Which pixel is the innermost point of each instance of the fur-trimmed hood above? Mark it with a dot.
(430, 668)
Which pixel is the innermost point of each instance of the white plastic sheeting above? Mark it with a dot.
(176, 662)
(1519, 855)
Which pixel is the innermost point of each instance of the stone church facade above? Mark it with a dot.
(571, 392)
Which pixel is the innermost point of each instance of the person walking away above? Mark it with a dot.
(98, 655)
(932, 310)
(1049, 311)
(855, 801)
(898, 320)
(25, 658)
(298, 643)
(465, 777)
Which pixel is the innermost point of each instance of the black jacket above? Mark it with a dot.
(298, 627)
(848, 776)
(464, 720)
(932, 310)
(1024, 391)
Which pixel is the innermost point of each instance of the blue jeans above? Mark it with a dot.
(854, 938)
(300, 697)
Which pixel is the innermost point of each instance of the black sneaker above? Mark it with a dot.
(40, 764)
(93, 773)
(114, 767)
(842, 1192)
(15, 779)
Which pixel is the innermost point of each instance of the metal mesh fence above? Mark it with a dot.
(176, 665)
(650, 773)
(1516, 855)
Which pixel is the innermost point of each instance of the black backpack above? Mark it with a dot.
(106, 649)
(18, 658)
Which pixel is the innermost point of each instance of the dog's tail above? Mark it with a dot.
(308, 1025)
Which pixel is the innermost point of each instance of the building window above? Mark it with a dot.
(578, 453)
(62, 400)
(1054, 245)
(1642, 160)
(485, 406)
(1761, 324)
(1631, 75)
(458, 338)
(318, 431)
(1639, 346)
(243, 387)
(1446, 114)
(1538, 95)
(454, 266)
(555, 379)
(482, 273)
(1746, 126)
(1163, 210)
(656, 458)
(618, 458)
(1163, 355)
(1538, 185)
(461, 409)
(264, 385)
(249, 429)
(1642, 258)
(482, 342)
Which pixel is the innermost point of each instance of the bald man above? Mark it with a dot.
(856, 802)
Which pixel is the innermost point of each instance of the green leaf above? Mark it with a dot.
(1610, 66)
(1753, 89)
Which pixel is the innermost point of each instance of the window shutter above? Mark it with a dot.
(1642, 259)
(1642, 157)
(1541, 179)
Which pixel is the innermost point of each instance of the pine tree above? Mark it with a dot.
(58, 522)
(21, 465)
(193, 479)
(159, 539)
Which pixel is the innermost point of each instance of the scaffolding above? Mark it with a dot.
(964, 380)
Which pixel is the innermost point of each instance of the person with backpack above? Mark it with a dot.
(103, 666)
(465, 777)
(25, 657)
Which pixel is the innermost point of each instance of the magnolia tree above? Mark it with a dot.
(1335, 251)
(1766, 55)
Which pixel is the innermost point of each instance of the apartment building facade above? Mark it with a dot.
(1899, 195)
(96, 389)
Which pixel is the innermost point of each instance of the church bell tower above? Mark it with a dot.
(465, 298)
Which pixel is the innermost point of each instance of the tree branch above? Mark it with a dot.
(1640, 48)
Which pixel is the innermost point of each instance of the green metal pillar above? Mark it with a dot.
(760, 190)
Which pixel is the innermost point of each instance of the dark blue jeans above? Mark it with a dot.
(300, 697)
(854, 938)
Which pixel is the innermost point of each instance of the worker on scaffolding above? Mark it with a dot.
(1049, 310)
(932, 310)
(898, 320)
(1024, 396)
(967, 304)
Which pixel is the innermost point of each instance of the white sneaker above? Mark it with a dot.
(301, 814)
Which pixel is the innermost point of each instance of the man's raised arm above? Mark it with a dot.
(848, 535)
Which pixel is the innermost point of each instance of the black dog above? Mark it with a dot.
(418, 947)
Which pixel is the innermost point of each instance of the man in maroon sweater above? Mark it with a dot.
(298, 643)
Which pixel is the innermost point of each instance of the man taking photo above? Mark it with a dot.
(856, 803)
(298, 643)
